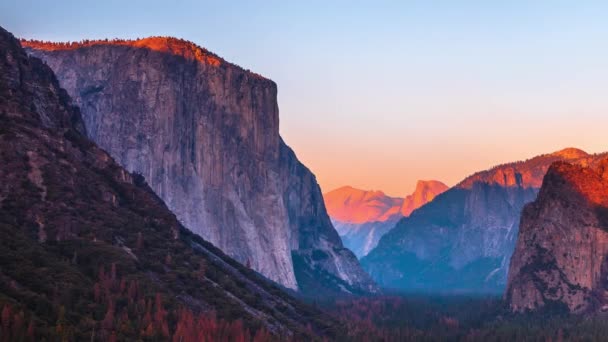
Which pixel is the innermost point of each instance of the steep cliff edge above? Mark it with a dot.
(362, 217)
(561, 256)
(463, 240)
(205, 135)
(89, 252)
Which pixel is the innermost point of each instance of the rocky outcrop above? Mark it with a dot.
(561, 256)
(88, 249)
(463, 240)
(205, 135)
(425, 192)
(363, 217)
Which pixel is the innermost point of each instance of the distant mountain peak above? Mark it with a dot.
(363, 217)
(348, 190)
(354, 189)
(429, 188)
(570, 153)
(349, 204)
(426, 190)
(429, 183)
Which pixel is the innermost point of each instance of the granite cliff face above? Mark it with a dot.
(88, 249)
(425, 192)
(561, 256)
(363, 217)
(463, 240)
(205, 135)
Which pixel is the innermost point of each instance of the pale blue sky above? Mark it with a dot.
(378, 94)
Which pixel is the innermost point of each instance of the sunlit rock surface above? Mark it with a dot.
(561, 254)
(363, 217)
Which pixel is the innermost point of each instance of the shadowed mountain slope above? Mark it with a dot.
(463, 240)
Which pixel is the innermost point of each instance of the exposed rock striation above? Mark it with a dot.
(363, 217)
(205, 135)
(463, 240)
(68, 212)
(561, 256)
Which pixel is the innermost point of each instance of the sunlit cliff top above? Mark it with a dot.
(169, 45)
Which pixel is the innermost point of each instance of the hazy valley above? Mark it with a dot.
(363, 217)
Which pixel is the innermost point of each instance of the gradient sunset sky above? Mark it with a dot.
(379, 94)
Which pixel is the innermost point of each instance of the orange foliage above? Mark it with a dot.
(13, 326)
(206, 328)
(151, 319)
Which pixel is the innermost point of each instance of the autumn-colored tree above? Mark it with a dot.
(147, 321)
(6, 317)
(185, 327)
(149, 331)
(160, 316)
(133, 291)
(18, 326)
(262, 335)
(108, 320)
(5, 333)
(207, 328)
(235, 332)
(64, 332)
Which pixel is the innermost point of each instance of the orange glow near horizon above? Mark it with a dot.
(394, 164)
